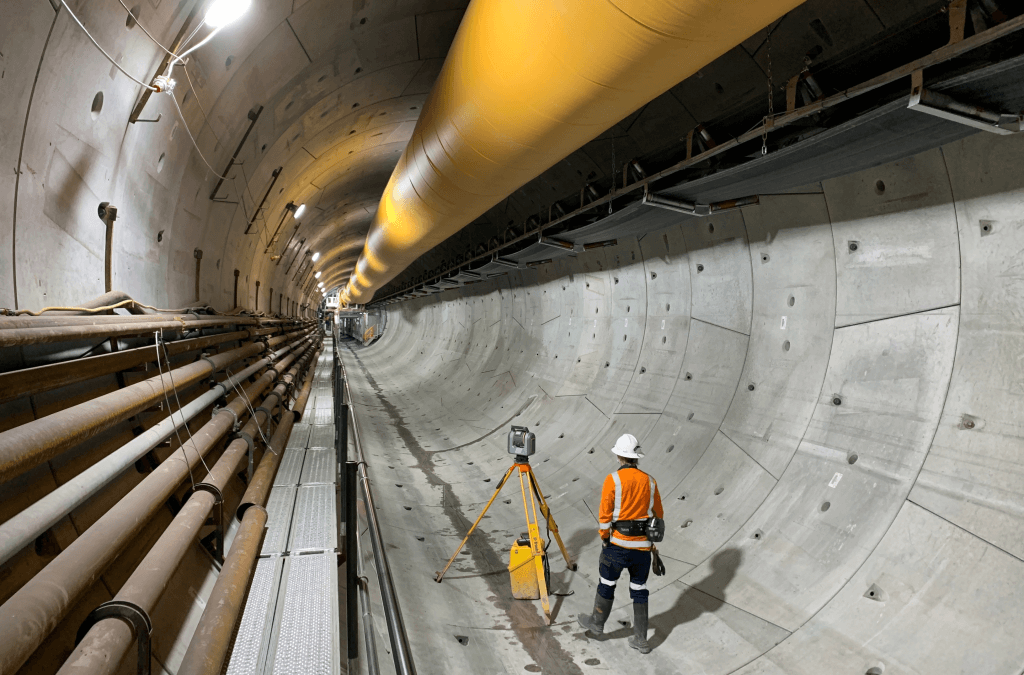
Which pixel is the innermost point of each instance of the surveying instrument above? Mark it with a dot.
(528, 560)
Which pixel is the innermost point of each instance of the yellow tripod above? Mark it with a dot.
(522, 464)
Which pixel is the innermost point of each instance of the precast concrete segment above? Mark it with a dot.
(36, 608)
(832, 416)
(503, 111)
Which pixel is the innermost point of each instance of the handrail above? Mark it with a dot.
(392, 612)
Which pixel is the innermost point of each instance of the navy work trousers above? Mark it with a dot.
(614, 559)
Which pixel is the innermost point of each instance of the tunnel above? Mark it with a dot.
(266, 329)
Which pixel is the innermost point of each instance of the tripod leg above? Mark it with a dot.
(438, 576)
(537, 545)
(546, 512)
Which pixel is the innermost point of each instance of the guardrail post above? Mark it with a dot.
(351, 567)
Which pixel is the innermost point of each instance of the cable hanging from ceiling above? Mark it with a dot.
(220, 14)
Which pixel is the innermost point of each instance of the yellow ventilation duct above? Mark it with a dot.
(527, 82)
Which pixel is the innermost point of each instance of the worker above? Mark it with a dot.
(629, 499)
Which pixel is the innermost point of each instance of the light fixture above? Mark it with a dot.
(317, 275)
(223, 12)
(299, 211)
(315, 257)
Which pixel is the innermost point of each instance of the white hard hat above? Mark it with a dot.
(627, 446)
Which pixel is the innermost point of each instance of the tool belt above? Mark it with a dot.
(631, 528)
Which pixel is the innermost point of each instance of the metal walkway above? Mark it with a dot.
(291, 622)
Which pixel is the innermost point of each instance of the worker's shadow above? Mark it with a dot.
(560, 577)
(693, 602)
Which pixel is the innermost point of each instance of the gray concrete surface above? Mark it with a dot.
(836, 432)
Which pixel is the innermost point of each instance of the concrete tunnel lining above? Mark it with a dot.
(801, 405)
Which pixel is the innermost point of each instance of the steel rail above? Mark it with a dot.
(100, 651)
(36, 609)
(400, 649)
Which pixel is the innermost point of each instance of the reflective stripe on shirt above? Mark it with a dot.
(618, 496)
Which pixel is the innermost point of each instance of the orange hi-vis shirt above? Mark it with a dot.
(628, 494)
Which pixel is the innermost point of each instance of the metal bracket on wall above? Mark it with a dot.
(948, 108)
(135, 617)
(695, 209)
(218, 516)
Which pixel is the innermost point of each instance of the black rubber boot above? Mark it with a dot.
(595, 622)
(639, 639)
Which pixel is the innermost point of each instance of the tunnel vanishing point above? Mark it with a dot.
(277, 278)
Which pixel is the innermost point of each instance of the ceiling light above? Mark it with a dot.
(317, 275)
(299, 211)
(315, 256)
(223, 12)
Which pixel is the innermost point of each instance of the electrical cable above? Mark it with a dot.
(89, 310)
(195, 93)
(167, 357)
(102, 51)
(170, 412)
(148, 34)
(192, 138)
(252, 411)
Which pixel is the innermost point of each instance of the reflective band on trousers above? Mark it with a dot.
(609, 583)
(637, 587)
(626, 543)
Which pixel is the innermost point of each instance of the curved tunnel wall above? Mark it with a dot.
(826, 386)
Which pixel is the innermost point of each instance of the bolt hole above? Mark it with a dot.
(160, 162)
(825, 506)
(159, 236)
(875, 670)
(852, 459)
(792, 301)
(407, 508)
(689, 417)
(616, 280)
(765, 257)
(358, 70)
(750, 387)
(879, 187)
(362, 21)
(606, 364)
(688, 377)
(231, 59)
(97, 105)
(654, 275)
(711, 226)
(133, 17)
(785, 346)
(663, 339)
(700, 268)
(642, 370)
(687, 523)
(670, 449)
(836, 400)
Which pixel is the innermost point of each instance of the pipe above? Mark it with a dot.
(16, 332)
(35, 610)
(106, 643)
(35, 442)
(525, 84)
(28, 381)
(20, 530)
(212, 637)
(400, 650)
